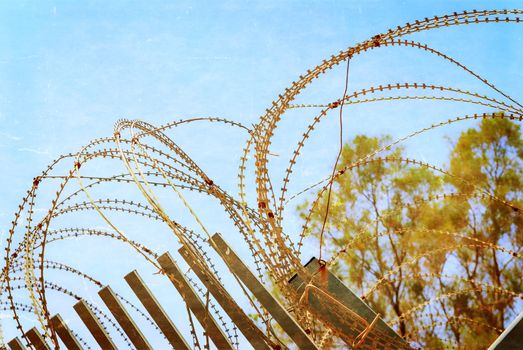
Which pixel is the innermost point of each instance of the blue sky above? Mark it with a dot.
(69, 70)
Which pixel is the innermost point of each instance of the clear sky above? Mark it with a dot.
(69, 70)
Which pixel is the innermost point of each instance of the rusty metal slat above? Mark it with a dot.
(36, 339)
(156, 311)
(16, 344)
(193, 302)
(65, 333)
(123, 318)
(278, 312)
(251, 332)
(93, 325)
(344, 296)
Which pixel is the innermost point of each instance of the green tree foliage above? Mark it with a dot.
(422, 245)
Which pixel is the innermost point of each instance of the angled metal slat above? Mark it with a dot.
(36, 339)
(65, 333)
(193, 302)
(332, 286)
(156, 311)
(278, 312)
(93, 325)
(251, 332)
(16, 344)
(512, 337)
(122, 317)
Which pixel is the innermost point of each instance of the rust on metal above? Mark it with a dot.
(36, 339)
(16, 344)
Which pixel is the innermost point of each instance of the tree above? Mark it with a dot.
(490, 157)
(425, 243)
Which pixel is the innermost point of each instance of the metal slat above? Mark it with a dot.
(156, 311)
(193, 302)
(237, 315)
(122, 317)
(16, 344)
(278, 312)
(65, 333)
(93, 325)
(512, 337)
(332, 286)
(36, 339)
